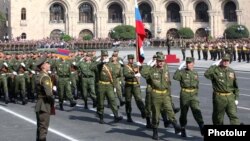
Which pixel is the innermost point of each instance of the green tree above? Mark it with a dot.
(236, 32)
(186, 33)
(87, 37)
(66, 37)
(123, 32)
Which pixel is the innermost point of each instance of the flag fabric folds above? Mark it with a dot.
(140, 33)
(63, 53)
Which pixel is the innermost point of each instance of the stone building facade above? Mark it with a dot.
(37, 19)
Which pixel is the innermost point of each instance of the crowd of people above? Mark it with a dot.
(40, 76)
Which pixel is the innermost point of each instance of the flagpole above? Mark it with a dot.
(137, 47)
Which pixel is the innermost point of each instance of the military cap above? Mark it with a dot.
(89, 54)
(155, 56)
(131, 56)
(189, 59)
(226, 57)
(116, 50)
(159, 53)
(104, 53)
(160, 58)
(41, 61)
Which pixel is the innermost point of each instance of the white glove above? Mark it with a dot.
(5, 64)
(70, 82)
(49, 72)
(236, 102)
(14, 73)
(98, 59)
(153, 63)
(137, 75)
(149, 62)
(120, 61)
(22, 64)
(216, 63)
(54, 88)
(74, 63)
(106, 60)
(33, 72)
(138, 63)
(115, 90)
(182, 65)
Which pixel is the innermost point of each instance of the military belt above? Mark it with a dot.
(21, 74)
(3, 74)
(159, 91)
(223, 94)
(104, 82)
(132, 83)
(188, 90)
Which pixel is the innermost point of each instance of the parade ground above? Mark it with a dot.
(18, 122)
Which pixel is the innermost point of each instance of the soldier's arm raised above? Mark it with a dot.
(177, 75)
(209, 72)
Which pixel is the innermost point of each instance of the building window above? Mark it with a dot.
(201, 12)
(57, 13)
(85, 13)
(115, 13)
(85, 33)
(145, 11)
(23, 36)
(173, 13)
(56, 34)
(23, 14)
(230, 12)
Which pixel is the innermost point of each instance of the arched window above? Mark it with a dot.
(85, 13)
(23, 14)
(145, 11)
(201, 32)
(115, 13)
(56, 34)
(85, 33)
(57, 13)
(23, 36)
(173, 13)
(173, 33)
(201, 13)
(230, 12)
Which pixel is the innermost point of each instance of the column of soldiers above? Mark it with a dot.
(238, 49)
(85, 75)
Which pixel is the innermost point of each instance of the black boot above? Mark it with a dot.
(24, 101)
(183, 132)
(118, 118)
(129, 119)
(94, 103)
(72, 103)
(7, 98)
(86, 105)
(143, 114)
(165, 119)
(149, 125)
(155, 134)
(175, 109)
(122, 103)
(101, 119)
(177, 127)
(61, 106)
(201, 125)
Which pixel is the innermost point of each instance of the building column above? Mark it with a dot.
(212, 23)
(186, 18)
(239, 15)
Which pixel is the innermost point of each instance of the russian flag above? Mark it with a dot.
(140, 33)
(63, 53)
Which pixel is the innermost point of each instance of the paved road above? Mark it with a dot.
(17, 122)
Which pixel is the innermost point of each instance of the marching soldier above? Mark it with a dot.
(87, 80)
(189, 94)
(225, 91)
(3, 78)
(105, 76)
(63, 71)
(183, 48)
(199, 48)
(160, 94)
(132, 87)
(45, 99)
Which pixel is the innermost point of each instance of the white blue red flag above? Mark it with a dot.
(140, 33)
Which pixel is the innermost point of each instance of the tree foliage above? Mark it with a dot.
(123, 32)
(186, 33)
(234, 32)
